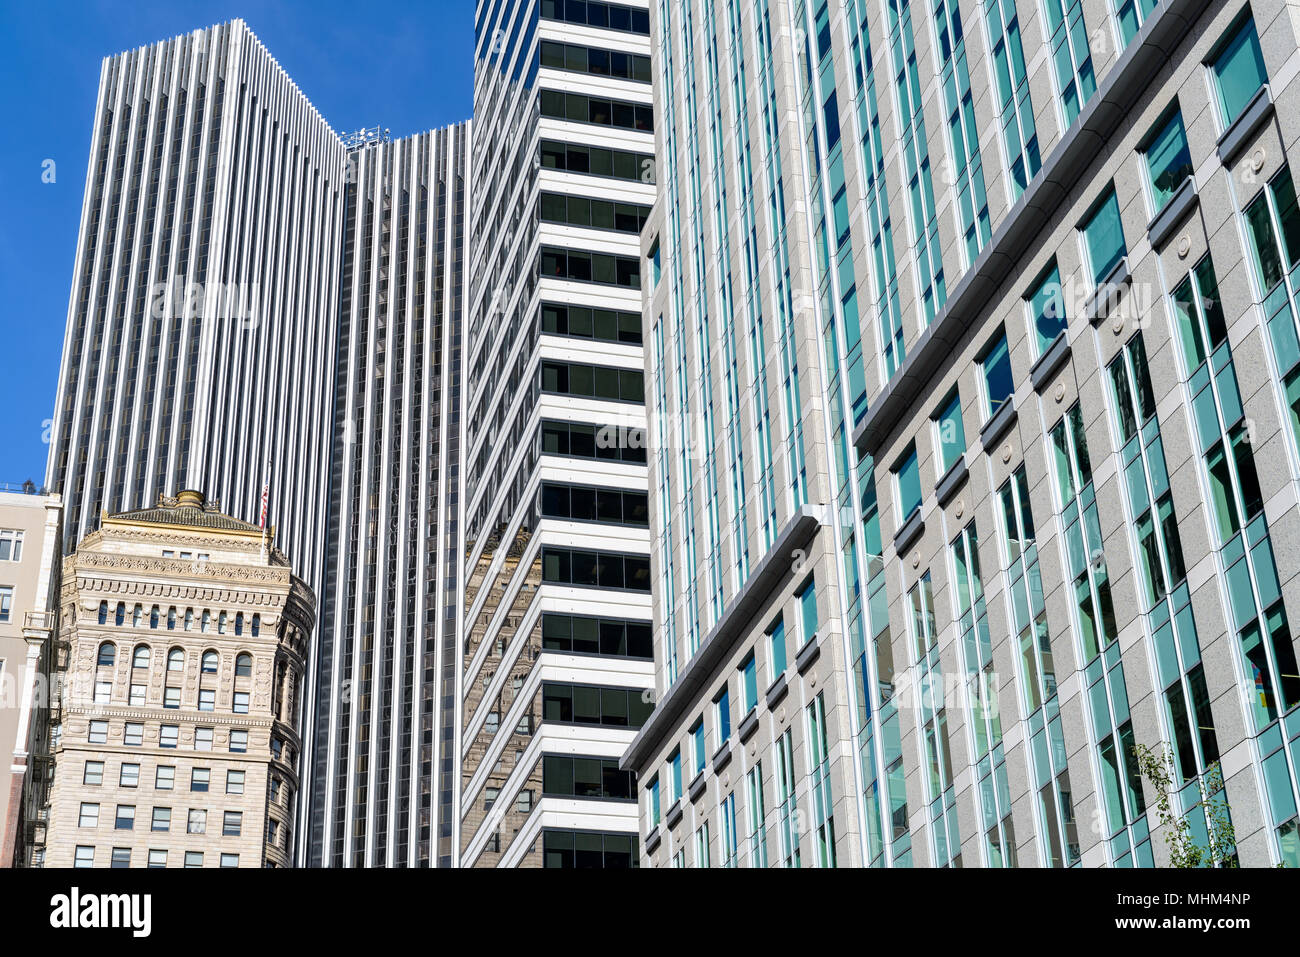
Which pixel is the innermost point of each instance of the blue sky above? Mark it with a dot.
(405, 66)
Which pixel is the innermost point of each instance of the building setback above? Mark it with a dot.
(980, 320)
(556, 657)
(183, 636)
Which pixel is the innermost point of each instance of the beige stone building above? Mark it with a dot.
(183, 637)
(29, 549)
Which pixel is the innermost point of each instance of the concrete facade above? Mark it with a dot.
(29, 564)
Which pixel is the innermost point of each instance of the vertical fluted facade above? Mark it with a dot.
(389, 614)
(204, 292)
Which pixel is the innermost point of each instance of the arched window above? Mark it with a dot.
(103, 613)
(257, 625)
(207, 620)
(209, 662)
(176, 660)
(221, 623)
(243, 665)
(140, 657)
(137, 616)
(120, 617)
(107, 653)
(189, 619)
(171, 618)
(153, 617)
(239, 623)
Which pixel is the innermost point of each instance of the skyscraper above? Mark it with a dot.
(985, 314)
(204, 292)
(384, 706)
(556, 656)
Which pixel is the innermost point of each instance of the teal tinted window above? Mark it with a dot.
(908, 478)
(776, 638)
(749, 683)
(1104, 235)
(1239, 72)
(808, 609)
(998, 384)
(1047, 309)
(951, 435)
(1169, 161)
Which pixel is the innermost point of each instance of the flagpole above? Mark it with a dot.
(266, 498)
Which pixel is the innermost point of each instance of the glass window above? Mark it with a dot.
(675, 774)
(85, 856)
(998, 382)
(162, 819)
(93, 773)
(749, 683)
(951, 435)
(199, 778)
(165, 777)
(1169, 161)
(776, 645)
(907, 477)
(722, 709)
(1238, 71)
(1103, 235)
(808, 609)
(1047, 309)
(168, 735)
(699, 746)
(198, 821)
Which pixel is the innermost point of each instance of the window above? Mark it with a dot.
(198, 821)
(11, 545)
(1169, 161)
(587, 503)
(202, 739)
(153, 617)
(564, 566)
(129, 776)
(524, 801)
(241, 702)
(168, 735)
(1047, 309)
(103, 691)
(907, 482)
(140, 657)
(586, 777)
(221, 623)
(119, 616)
(107, 652)
(171, 626)
(239, 741)
(749, 683)
(699, 746)
(949, 434)
(199, 778)
(229, 860)
(1238, 71)
(98, 732)
(235, 783)
(999, 384)
(164, 777)
(232, 823)
(121, 857)
(137, 696)
(103, 612)
(675, 774)
(209, 665)
(207, 699)
(776, 647)
(239, 623)
(93, 773)
(1103, 236)
(171, 697)
(162, 819)
(157, 858)
(722, 712)
(257, 625)
(194, 858)
(808, 609)
(89, 815)
(588, 704)
(597, 636)
(176, 660)
(653, 792)
(125, 819)
(597, 161)
(243, 665)
(593, 382)
(6, 602)
(203, 627)
(134, 734)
